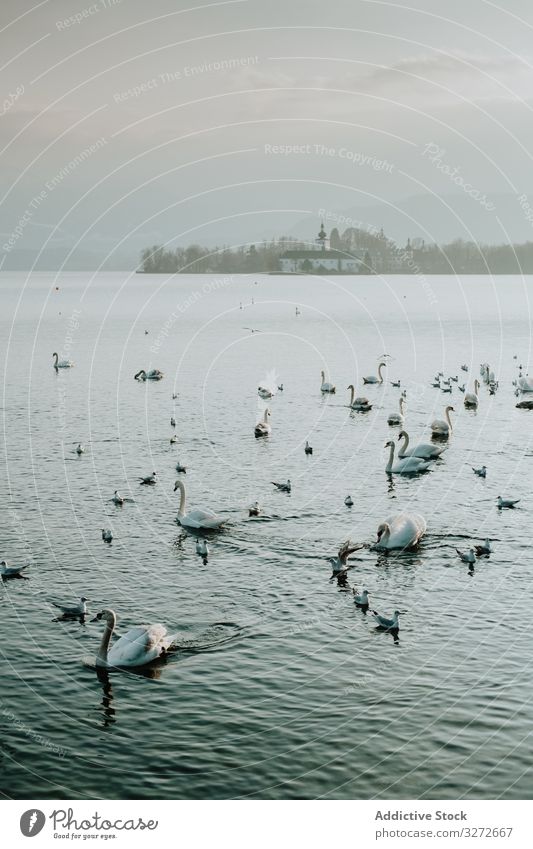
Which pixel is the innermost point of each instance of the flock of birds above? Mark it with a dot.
(143, 644)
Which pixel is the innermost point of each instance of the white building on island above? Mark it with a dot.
(320, 258)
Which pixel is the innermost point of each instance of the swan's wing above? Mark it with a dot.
(139, 645)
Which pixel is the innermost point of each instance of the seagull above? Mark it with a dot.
(360, 600)
(388, 624)
(464, 367)
(482, 472)
(462, 388)
(117, 499)
(280, 387)
(468, 557)
(173, 439)
(254, 509)
(149, 480)
(172, 421)
(11, 571)
(485, 548)
(107, 535)
(395, 383)
(308, 449)
(80, 449)
(181, 468)
(283, 487)
(79, 609)
(174, 396)
(349, 501)
(506, 502)
(202, 549)
(340, 562)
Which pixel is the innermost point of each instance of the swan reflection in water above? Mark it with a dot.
(106, 708)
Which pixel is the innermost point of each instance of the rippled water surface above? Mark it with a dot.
(279, 687)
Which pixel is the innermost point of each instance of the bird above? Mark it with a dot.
(340, 562)
(447, 388)
(482, 472)
(308, 449)
(395, 383)
(471, 399)
(264, 392)
(79, 609)
(468, 556)
(174, 396)
(254, 509)
(372, 378)
(462, 387)
(149, 480)
(484, 548)
(405, 465)
(424, 450)
(349, 501)
(172, 421)
(263, 428)
(443, 427)
(280, 387)
(80, 449)
(11, 571)
(202, 549)
(117, 499)
(385, 623)
(61, 363)
(173, 439)
(401, 531)
(181, 468)
(137, 647)
(397, 418)
(464, 367)
(326, 387)
(506, 502)
(197, 518)
(360, 600)
(360, 403)
(107, 535)
(283, 487)
(143, 375)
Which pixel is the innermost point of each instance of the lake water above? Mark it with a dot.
(280, 687)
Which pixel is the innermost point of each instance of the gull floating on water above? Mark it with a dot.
(149, 480)
(283, 487)
(467, 556)
(181, 468)
(485, 548)
(340, 563)
(107, 535)
(117, 499)
(254, 509)
(506, 502)
(388, 624)
(79, 609)
(360, 600)
(80, 449)
(11, 571)
(308, 449)
(349, 501)
(202, 549)
(482, 472)
(172, 421)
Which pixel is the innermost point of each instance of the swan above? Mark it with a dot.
(405, 466)
(340, 562)
(137, 647)
(424, 450)
(61, 363)
(385, 623)
(360, 403)
(482, 472)
(196, 518)
(308, 449)
(154, 374)
(506, 502)
(525, 384)
(349, 501)
(11, 571)
(397, 418)
(117, 499)
(467, 556)
(149, 480)
(283, 487)
(79, 609)
(107, 535)
(360, 600)
(254, 509)
(404, 530)
(326, 387)
(484, 548)
(263, 428)
(372, 378)
(471, 399)
(441, 427)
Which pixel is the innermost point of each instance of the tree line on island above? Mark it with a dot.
(378, 255)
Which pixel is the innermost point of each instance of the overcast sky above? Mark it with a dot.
(132, 123)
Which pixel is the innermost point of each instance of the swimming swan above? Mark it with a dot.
(263, 428)
(137, 647)
(196, 518)
(372, 378)
(405, 466)
(62, 363)
(360, 403)
(327, 387)
(441, 427)
(397, 418)
(404, 530)
(423, 450)
(471, 399)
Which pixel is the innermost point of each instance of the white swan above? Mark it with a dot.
(263, 428)
(525, 384)
(360, 403)
(397, 418)
(443, 427)
(62, 363)
(471, 399)
(404, 530)
(137, 647)
(326, 387)
(254, 509)
(196, 518)
(372, 378)
(407, 466)
(423, 450)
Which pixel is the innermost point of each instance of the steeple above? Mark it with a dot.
(322, 237)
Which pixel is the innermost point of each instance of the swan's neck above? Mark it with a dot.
(181, 508)
(401, 406)
(405, 445)
(106, 639)
(384, 538)
(391, 459)
(448, 419)
(380, 376)
(352, 396)
(57, 359)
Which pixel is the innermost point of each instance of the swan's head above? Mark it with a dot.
(108, 615)
(351, 386)
(450, 410)
(383, 528)
(382, 365)
(389, 444)
(396, 613)
(55, 354)
(402, 434)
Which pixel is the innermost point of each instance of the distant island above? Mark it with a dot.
(356, 251)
